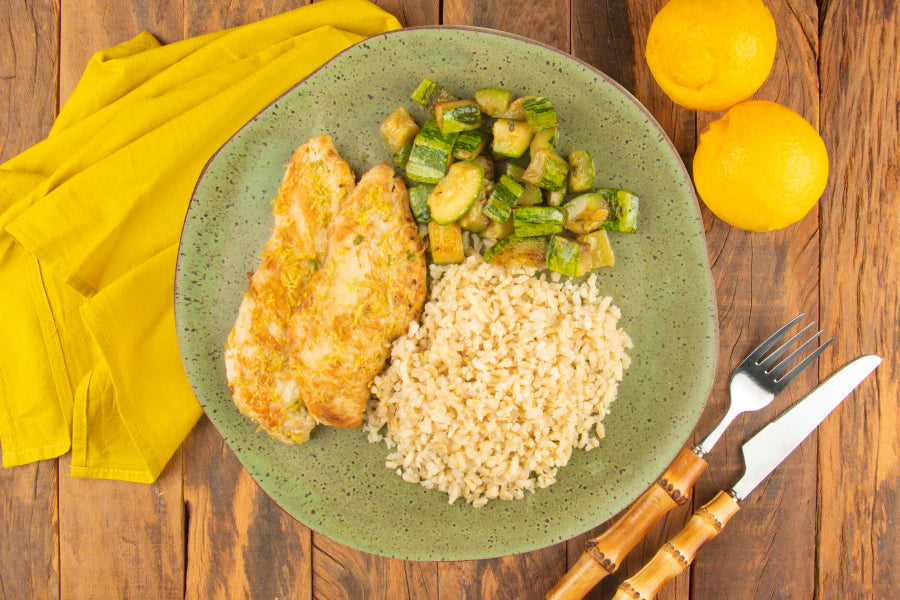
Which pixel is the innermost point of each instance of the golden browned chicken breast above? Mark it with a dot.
(362, 297)
(334, 256)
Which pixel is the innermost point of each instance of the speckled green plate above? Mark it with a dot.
(337, 483)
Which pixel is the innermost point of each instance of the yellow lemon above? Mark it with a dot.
(761, 166)
(711, 54)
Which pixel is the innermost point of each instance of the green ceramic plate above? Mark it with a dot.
(337, 483)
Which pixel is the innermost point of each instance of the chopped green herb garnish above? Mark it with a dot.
(357, 240)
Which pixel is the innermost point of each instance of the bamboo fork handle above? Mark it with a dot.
(676, 554)
(604, 553)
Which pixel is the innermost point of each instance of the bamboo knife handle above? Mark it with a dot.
(604, 553)
(676, 554)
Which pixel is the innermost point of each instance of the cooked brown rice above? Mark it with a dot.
(506, 374)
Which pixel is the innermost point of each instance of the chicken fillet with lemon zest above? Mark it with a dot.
(274, 366)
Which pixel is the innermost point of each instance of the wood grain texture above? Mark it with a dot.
(413, 14)
(762, 281)
(546, 21)
(29, 70)
(205, 17)
(603, 36)
(239, 542)
(525, 576)
(342, 573)
(859, 446)
(29, 536)
(118, 539)
(87, 26)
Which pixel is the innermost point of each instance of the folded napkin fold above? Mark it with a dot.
(89, 226)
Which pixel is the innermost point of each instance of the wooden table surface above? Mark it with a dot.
(825, 525)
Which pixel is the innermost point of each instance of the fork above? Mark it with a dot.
(754, 384)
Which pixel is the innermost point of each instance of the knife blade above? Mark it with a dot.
(763, 453)
(768, 448)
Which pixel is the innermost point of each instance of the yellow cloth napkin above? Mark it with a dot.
(89, 226)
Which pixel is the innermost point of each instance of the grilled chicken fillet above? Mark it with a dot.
(341, 276)
(363, 296)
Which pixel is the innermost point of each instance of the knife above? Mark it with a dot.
(762, 455)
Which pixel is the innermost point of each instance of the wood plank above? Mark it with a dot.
(131, 534)
(411, 13)
(29, 561)
(611, 36)
(548, 24)
(29, 46)
(771, 542)
(120, 539)
(525, 576)
(29, 538)
(604, 34)
(859, 449)
(87, 26)
(342, 573)
(205, 17)
(239, 542)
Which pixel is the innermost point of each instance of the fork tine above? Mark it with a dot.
(786, 379)
(768, 362)
(767, 345)
(778, 370)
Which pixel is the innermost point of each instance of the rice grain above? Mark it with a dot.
(505, 376)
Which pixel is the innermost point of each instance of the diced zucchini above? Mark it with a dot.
(446, 243)
(533, 221)
(547, 170)
(586, 213)
(402, 157)
(502, 200)
(572, 258)
(452, 197)
(398, 129)
(457, 115)
(475, 220)
(539, 113)
(513, 251)
(431, 154)
(581, 171)
(530, 196)
(516, 110)
(623, 210)
(470, 143)
(512, 170)
(545, 138)
(511, 138)
(493, 101)
(418, 202)
(497, 231)
(555, 197)
(429, 93)
(601, 250)
(487, 165)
